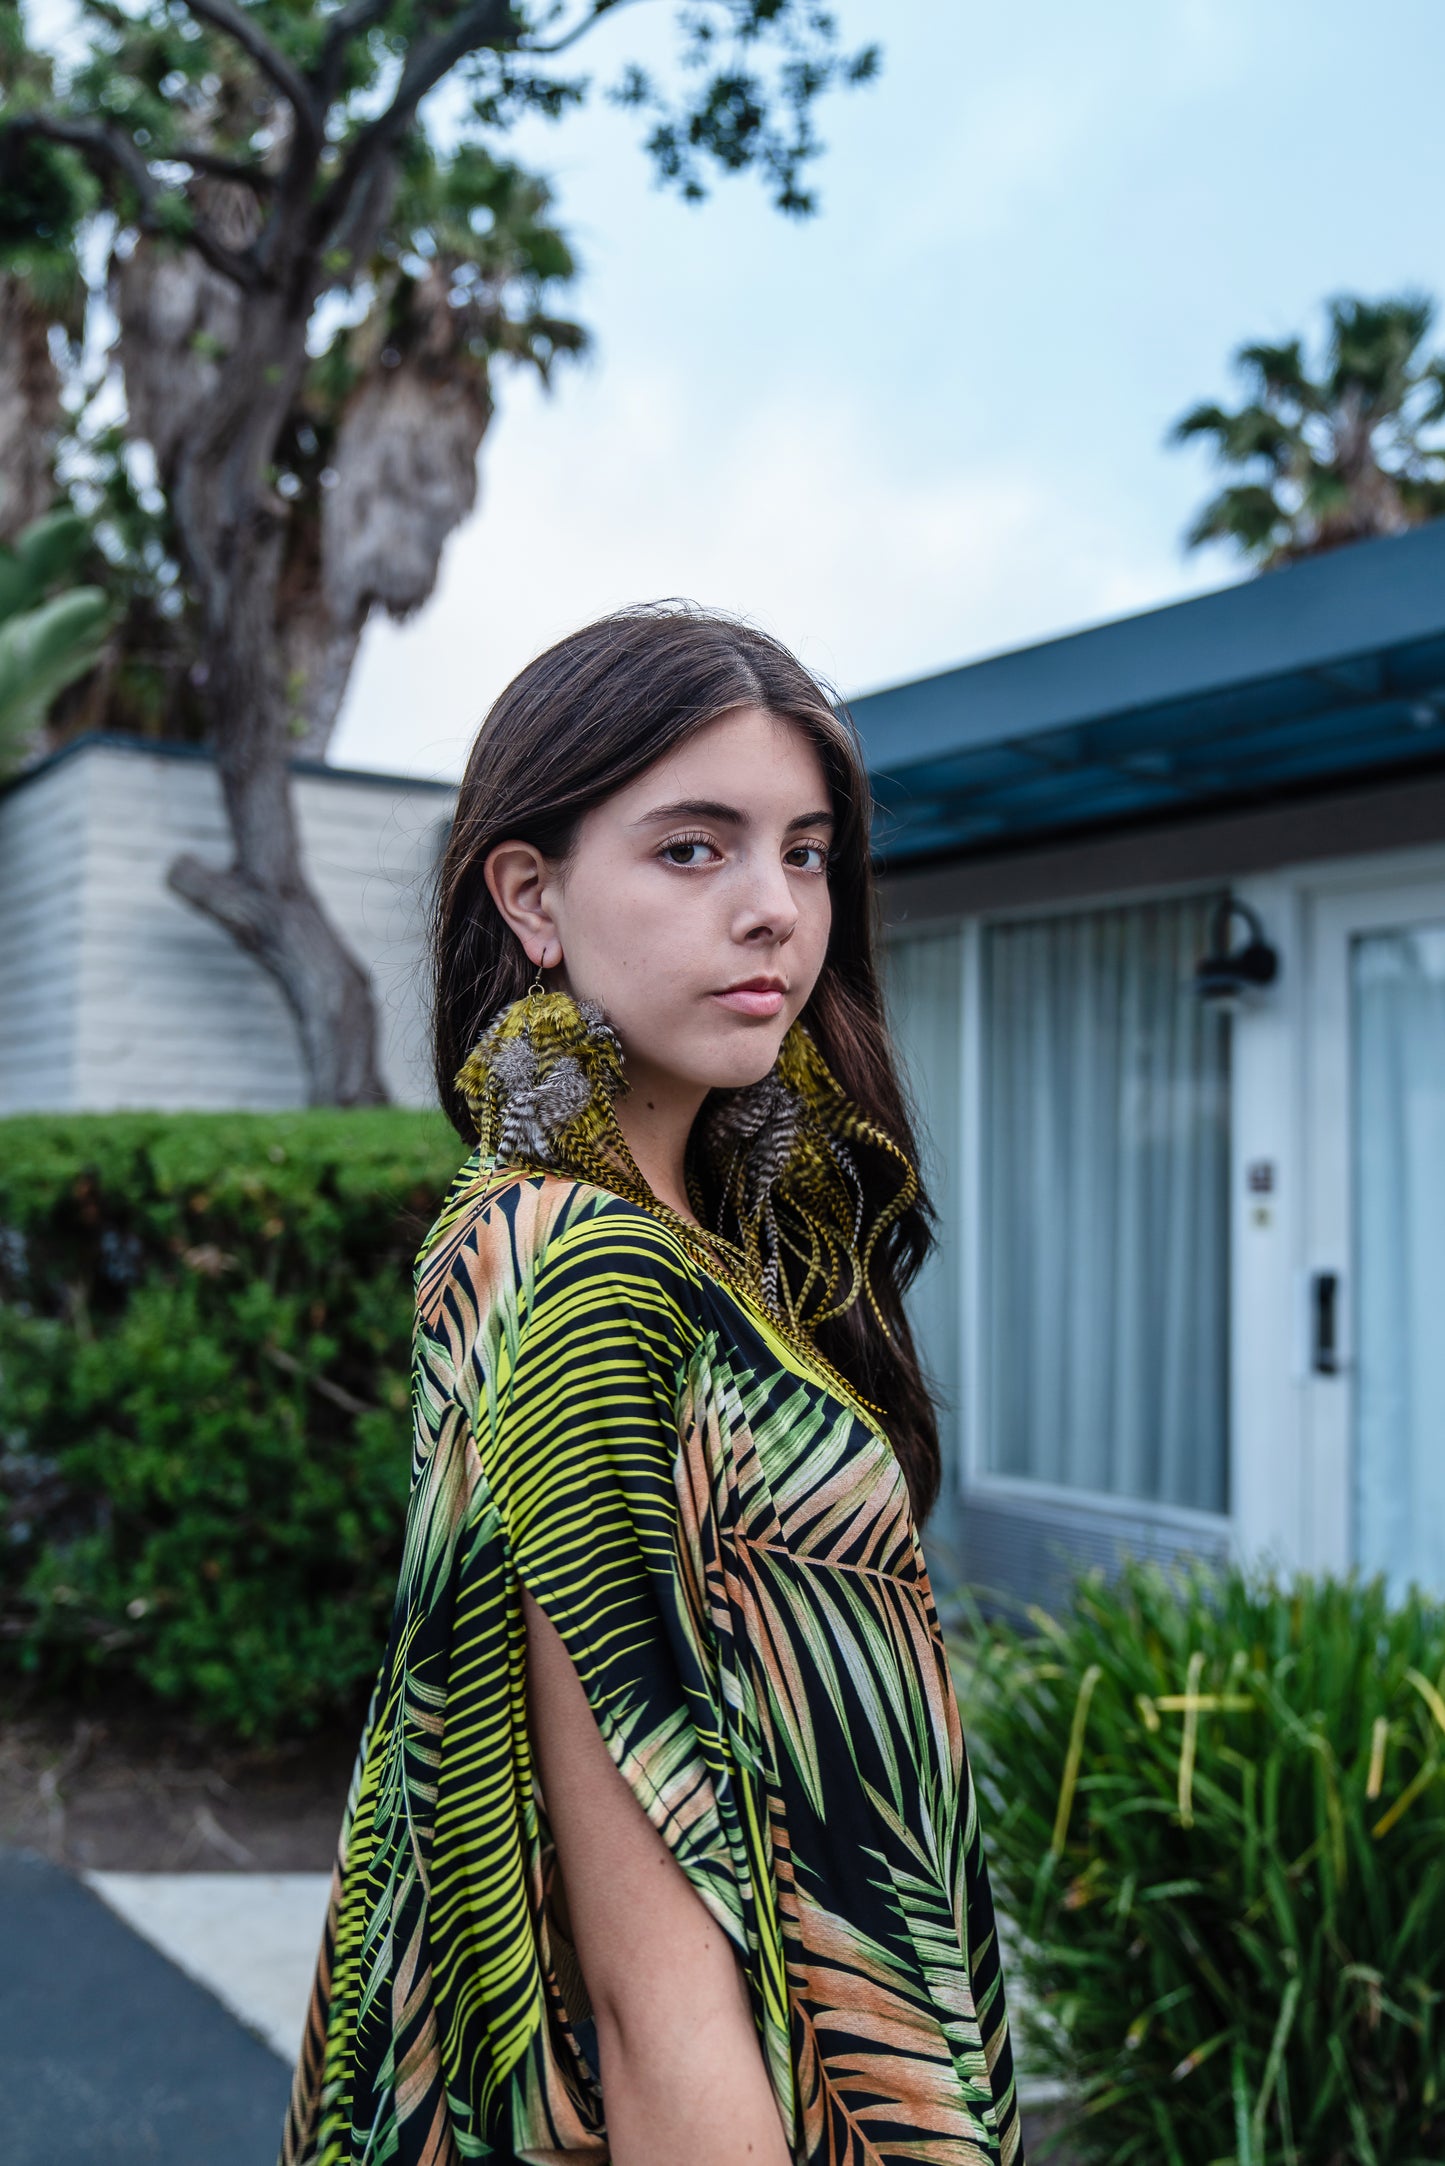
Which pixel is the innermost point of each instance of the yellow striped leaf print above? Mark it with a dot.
(724, 1544)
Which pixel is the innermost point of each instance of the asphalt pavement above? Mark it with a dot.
(110, 2055)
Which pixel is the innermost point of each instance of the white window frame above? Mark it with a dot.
(971, 1476)
(980, 1480)
(1272, 1519)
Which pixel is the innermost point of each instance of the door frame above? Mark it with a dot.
(1337, 915)
(1292, 1432)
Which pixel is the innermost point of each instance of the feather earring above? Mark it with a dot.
(541, 1081)
(780, 1153)
(789, 1210)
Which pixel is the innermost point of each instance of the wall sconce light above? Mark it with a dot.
(1226, 976)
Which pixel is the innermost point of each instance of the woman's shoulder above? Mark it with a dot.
(503, 1229)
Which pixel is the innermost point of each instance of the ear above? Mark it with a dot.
(517, 874)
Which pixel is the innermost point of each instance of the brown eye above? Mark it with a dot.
(686, 851)
(808, 857)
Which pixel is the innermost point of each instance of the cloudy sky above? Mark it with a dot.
(929, 422)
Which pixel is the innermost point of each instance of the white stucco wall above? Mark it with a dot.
(114, 993)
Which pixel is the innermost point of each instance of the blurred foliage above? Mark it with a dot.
(152, 674)
(1331, 453)
(204, 1403)
(1216, 1821)
(50, 631)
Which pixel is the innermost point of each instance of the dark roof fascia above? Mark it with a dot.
(168, 749)
(1331, 789)
(1316, 616)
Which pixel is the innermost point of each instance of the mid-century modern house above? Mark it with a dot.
(1166, 914)
(1167, 910)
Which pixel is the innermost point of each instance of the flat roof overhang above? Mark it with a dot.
(1290, 681)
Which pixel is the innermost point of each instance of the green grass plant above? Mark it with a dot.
(1217, 1823)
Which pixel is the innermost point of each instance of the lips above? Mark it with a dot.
(760, 997)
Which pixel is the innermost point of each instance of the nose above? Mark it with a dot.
(769, 914)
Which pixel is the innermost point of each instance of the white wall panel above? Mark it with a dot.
(114, 993)
(42, 850)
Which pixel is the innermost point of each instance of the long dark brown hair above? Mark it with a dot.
(580, 722)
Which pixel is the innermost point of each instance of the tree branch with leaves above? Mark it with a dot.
(312, 287)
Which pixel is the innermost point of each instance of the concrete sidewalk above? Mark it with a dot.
(109, 2054)
(249, 1938)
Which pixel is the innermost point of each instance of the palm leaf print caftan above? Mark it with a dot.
(725, 1545)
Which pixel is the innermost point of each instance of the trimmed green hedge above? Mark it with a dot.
(1216, 1822)
(204, 1403)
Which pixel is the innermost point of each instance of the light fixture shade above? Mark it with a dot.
(1226, 976)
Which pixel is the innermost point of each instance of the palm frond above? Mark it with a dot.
(1333, 453)
(42, 650)
(1249, 513)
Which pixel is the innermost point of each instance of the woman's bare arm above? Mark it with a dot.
(682, 2069)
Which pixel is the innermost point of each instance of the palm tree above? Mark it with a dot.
(47, 638)
(1336, 457)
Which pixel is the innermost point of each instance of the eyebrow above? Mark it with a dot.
(708, 808)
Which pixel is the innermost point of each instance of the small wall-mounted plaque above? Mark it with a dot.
(1259, 1177)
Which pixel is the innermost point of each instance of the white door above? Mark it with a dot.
(1373, 1293)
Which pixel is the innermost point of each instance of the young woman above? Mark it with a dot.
(662, 1847)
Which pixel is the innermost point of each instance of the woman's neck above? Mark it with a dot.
(656, 1115)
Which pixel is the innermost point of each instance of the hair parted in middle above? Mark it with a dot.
(583, 720)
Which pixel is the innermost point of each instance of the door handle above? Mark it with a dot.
(1325, 1322)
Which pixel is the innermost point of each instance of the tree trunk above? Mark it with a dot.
(319, 655)
(1375, 505)
(232, 529)
(403, 478)
(30, 409)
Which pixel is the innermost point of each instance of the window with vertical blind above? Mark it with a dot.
(1102, 1194)
(1105, 1199)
